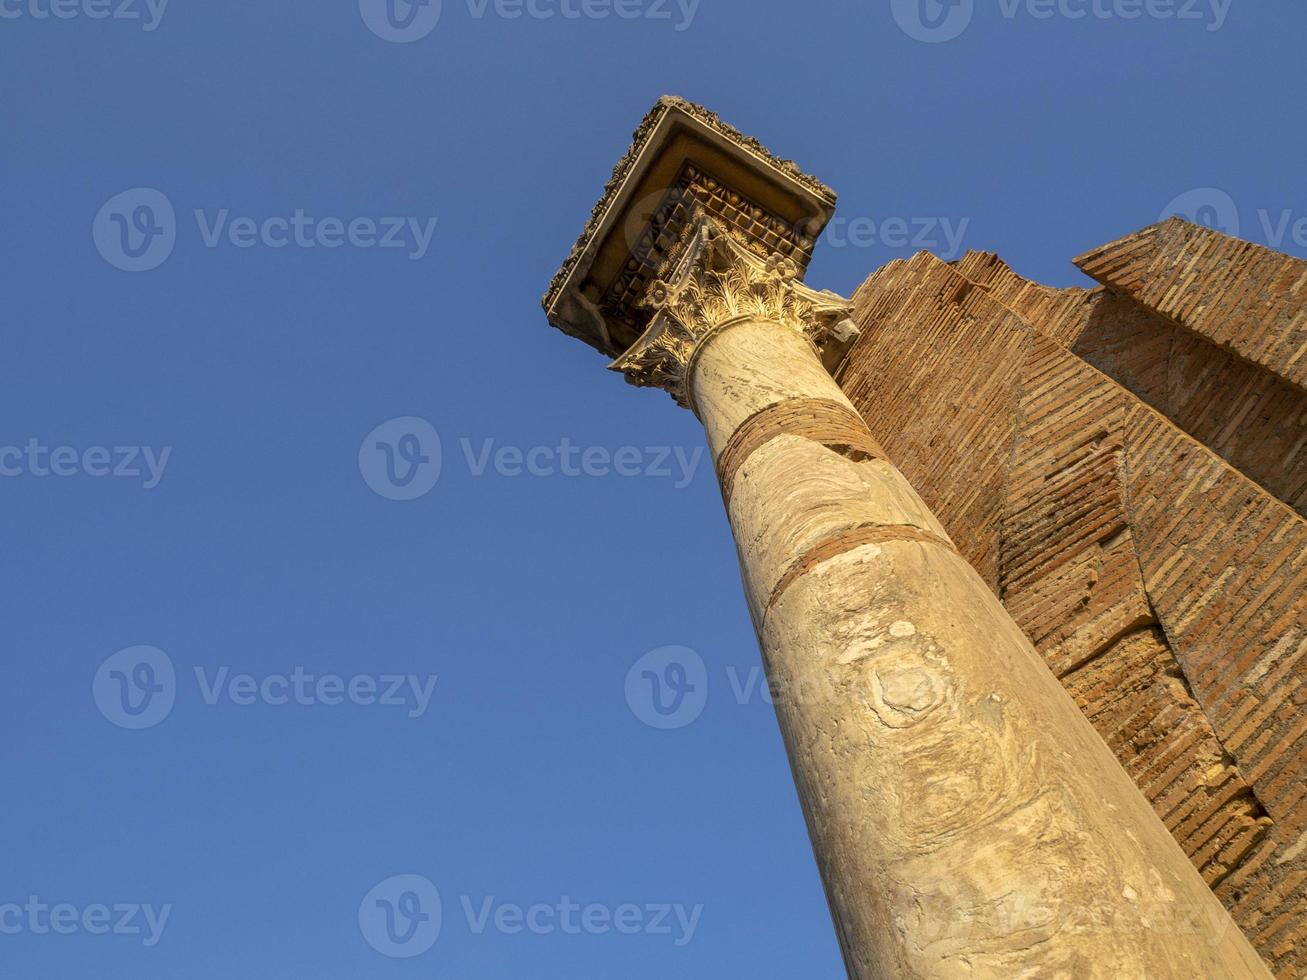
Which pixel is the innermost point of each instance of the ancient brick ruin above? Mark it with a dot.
(1126, 466)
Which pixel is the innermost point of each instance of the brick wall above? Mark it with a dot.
(1164, 587)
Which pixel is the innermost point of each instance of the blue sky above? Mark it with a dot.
(282, 669)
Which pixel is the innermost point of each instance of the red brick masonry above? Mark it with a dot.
(1142, 525)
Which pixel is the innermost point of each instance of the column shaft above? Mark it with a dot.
(966, 818)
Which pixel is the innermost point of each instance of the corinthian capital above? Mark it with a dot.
(719, 282)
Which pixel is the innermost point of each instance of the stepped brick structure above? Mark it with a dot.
(1040, 551)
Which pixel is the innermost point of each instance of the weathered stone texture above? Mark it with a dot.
(1164, 588)
(968, 820)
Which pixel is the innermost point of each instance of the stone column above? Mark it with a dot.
(966, 818)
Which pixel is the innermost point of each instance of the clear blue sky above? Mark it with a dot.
(525, 776)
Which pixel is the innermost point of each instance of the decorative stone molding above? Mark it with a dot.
(684, 164)
(656, 246)
(717, 283)
(642, 138)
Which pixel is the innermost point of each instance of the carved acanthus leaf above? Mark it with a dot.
(719, 281)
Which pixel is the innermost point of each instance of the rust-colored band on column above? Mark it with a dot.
(830, 423)
(847, 540)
